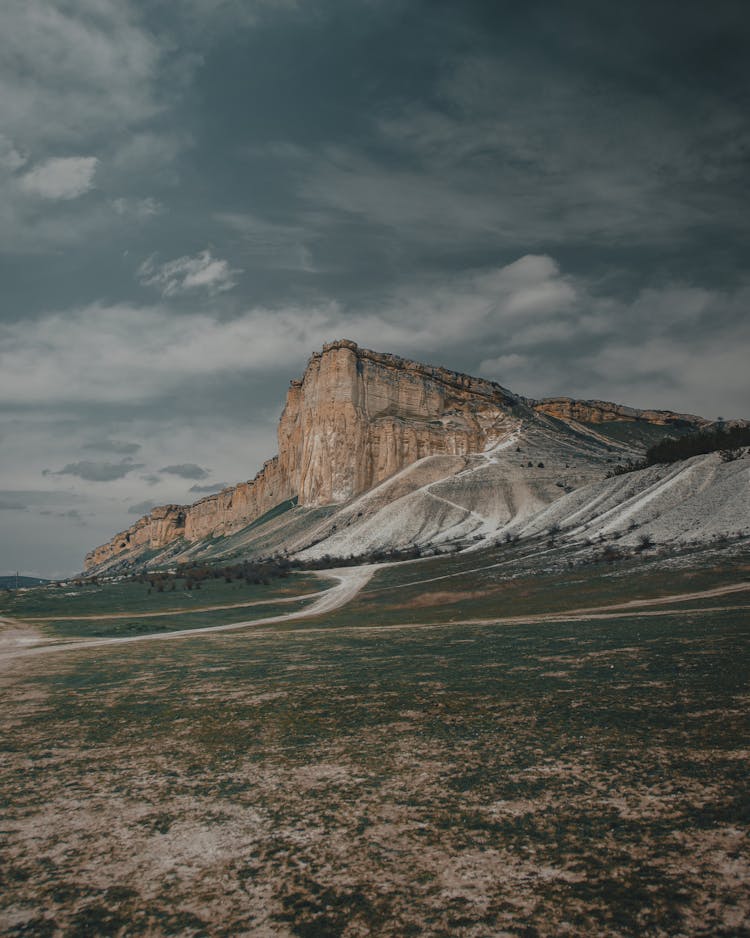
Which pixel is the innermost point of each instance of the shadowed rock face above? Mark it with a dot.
(355, 418)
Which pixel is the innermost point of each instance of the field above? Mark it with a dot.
(530, 768)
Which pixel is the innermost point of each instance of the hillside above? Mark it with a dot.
(379, 452)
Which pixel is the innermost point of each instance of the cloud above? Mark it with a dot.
(151, 478)
(31, 497)
(93, 471)
(559, 323)
(128, 354)
(88, 89)
(516, 150)
(10, 158)
(187, 470)
(112, 446)
(188, 273)
(282, 246)
(6, 505)
(497, 368)
(61, 177)
(137, 208)
(208, 489)
(72, 514)
(678, 371)
(141, 508)
(71, 70)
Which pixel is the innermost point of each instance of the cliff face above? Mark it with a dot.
(358, 416)
(355, 418)
(566, 408)
(216, 515)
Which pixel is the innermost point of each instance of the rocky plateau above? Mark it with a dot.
(379, 452)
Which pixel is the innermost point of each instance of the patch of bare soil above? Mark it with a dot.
(438, 597)
(15, 634)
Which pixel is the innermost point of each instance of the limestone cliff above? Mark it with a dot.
(566, 408)
(358, 416)
(355, 418)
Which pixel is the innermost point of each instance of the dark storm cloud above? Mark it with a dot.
(93, 471)
(187, 470)
(195, 196)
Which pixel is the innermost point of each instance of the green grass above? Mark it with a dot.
(588, 773)
(503, 587)
(586, 778)
(89, 599)
(103, 628)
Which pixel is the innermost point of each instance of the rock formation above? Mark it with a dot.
(565, 408)
(355, 418)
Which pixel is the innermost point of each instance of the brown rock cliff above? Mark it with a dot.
(355, 418)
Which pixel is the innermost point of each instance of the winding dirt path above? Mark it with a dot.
(351, 580)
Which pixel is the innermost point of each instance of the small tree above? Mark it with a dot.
(645, 541)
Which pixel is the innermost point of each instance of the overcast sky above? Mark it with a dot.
(196, 194)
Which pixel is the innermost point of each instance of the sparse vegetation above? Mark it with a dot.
(728, 441)
(532, 777)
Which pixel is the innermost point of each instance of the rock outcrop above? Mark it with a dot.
(354, 419)
(566, 408)
(358, 416)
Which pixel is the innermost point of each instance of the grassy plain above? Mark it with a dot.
(123, 608)
(385, 771)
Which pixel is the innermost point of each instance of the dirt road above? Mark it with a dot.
(351, 580)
